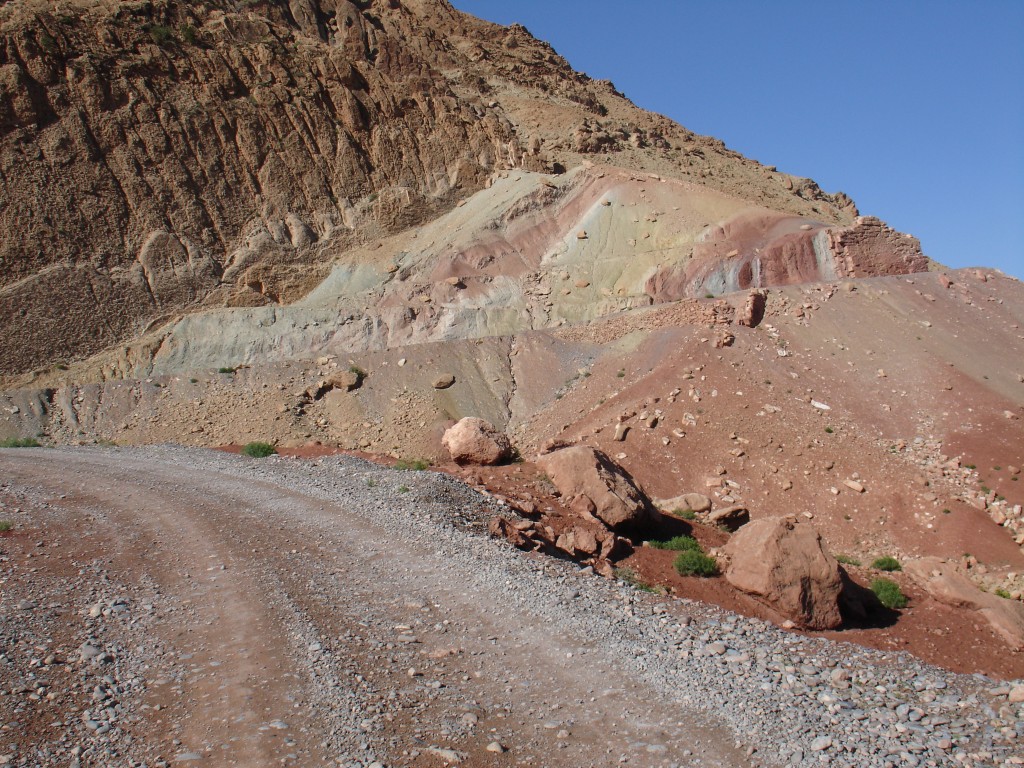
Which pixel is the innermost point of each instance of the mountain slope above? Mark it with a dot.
(156, 158)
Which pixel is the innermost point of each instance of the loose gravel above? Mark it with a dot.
(417, 640)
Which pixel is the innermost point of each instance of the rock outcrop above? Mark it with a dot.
(784, 563)
(595, 487)
(476, 441)
(164, 158)
(947, 584)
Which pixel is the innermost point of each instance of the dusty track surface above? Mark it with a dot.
(172, 605)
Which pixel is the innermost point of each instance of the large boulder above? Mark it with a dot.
(475, 441)
(947, 584)
(784, 563)
(594, 486)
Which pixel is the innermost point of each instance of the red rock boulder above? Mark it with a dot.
(475, 441)
(595, 487)
(785, 563)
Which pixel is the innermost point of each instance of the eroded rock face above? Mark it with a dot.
(171, 157)
(476, 441)
(785, 563)
(594, 486)
(947, 584)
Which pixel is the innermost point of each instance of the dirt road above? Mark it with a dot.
(178, 606)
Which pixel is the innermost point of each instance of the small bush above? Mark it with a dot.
(258, 450)
(889, 593)
(413, 465)
(678, 544)
(846, 560)
(189, 34)
(403, 489)
(686, 514)
(160, 34)
(226, 369)
(357, 371)
(695, 563)
(5, 525)
(829, 430)
(1003, 593)
(371, 482)
(621, 374)
(887, 564)
(19, 442)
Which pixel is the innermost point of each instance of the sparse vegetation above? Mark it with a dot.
(695, 563)
(226, 369)
(403, 489)
(258, 450)
(357, 371)
(889, 593)
(947, 511)
(678, 544)
(5, 526)
(1003, 593)
(160, 34)
(631, 577)
(371, 482)
(829, 430)
(685, 514)
(412, 465)
(621, 374)
(189, 34)
(709, 295)
(886, 563)
(194, 381)
(846, 560)
(19, 442)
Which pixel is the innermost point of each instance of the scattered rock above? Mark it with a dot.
(443, 381)
(732, 518)
(475, 441)
(688, 502)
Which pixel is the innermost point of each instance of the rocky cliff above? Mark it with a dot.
(162, 157)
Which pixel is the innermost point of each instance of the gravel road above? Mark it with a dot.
(169, 605)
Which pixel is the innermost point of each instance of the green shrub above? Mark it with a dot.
(678, 544)
(414, 465)
(160, 34)
(887, 564)
(258, 450)
(403, 489)
(5, 525)
(19, 442)
(889, 593)
(685, 514)
(695, 563)
(189, 34)
(829, 430)
(1003, 593)
(846, 560)
(226, 369)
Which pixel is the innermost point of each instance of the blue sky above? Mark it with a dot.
(914, 108)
